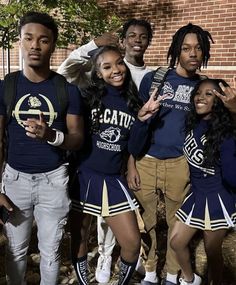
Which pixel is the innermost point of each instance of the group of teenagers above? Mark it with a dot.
(131, 141)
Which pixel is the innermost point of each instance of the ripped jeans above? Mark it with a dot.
(43, 197)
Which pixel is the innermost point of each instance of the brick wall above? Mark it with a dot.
(218, 17)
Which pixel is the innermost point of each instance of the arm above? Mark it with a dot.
(140, 130)
(8, 205)
(2, 133)
(5, 201)
(77, 63)
(75, 137)
(228, 161)
(133, 177)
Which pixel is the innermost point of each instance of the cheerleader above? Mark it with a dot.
(114, 132)
(210, 206)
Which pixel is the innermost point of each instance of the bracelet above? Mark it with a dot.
(59, 138)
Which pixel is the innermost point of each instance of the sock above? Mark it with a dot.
(81, 267)
(151, 276)
(171, 277)
(126, 271)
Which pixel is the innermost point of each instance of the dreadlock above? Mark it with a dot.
(203, 36)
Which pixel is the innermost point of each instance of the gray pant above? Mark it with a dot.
(43, 197)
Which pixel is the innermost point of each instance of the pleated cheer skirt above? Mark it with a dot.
(209, 211)
(102, 195)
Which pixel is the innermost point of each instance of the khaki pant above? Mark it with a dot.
(171, 176)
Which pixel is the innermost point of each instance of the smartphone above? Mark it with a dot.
(4, 214)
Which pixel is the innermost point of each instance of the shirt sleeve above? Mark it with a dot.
(74, 68)
(138, 137)
(145, 86)
(228, 161)
(75, 106)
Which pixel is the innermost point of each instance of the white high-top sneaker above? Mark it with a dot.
(103, 270)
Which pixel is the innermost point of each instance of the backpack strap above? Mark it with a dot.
(158, 79)
(10, 82)
(62, 93)
(10, 87)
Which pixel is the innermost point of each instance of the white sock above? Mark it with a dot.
(171, 277)
(151, 277)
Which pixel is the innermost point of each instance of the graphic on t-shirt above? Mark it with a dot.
(168, 91)
(34, 104)
(115, 117)
(115, 124)
(181, 95)
(111, 134)
(194, 153)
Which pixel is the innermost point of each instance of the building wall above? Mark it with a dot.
(166, 16)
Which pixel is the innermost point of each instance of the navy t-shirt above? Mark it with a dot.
(169, 125)
(24, 153)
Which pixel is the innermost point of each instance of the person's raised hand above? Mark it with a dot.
(108, 38)
(228, 97)
(151, 107)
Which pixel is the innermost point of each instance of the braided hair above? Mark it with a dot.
(203, 36)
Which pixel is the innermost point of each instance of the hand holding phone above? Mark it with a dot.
(6, 207)
(4, 214)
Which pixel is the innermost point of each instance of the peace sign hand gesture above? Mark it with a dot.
(150, 107)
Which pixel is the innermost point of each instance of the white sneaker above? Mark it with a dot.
(196, 281)
(103, 270)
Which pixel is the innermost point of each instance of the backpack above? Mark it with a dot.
(10, 85)
(159, 79)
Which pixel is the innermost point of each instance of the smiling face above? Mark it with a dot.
(190, 58)
(111, 68)
(136, 41)
(204, 99)
(37, 45)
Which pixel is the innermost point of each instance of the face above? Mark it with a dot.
(204, 100)
(190, 58)
(111, 68)
(37, 45)
(136, 41)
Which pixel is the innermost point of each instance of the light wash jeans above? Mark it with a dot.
(43, 197)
